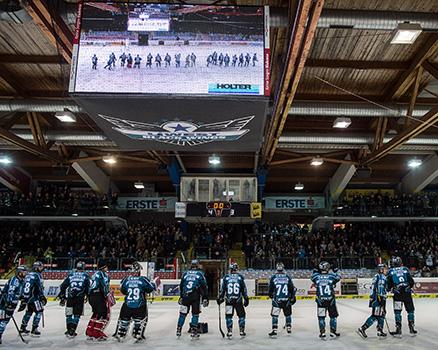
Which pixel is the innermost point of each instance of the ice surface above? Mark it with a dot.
(160, 331)
(192, 80)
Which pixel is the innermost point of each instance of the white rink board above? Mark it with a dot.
(160, 331)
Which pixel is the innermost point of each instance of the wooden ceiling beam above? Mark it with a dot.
(415, 129)
(12, 81)
(31, 59)
(431, 68)
(351, 98)
(414, 95)
(406, 79)
(359, 64)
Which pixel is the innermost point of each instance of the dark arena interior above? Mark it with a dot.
(237, 174)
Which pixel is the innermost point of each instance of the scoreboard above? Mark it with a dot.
(219, 209)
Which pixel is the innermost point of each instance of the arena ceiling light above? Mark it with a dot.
(214, 160)
(406, 33)
(109, 159)
(415, 163)
(139, 185)
(66, 116)
(342, 123)
(317, 161)
(299, 186)
(5, 160)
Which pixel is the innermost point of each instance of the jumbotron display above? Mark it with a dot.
(134, 48)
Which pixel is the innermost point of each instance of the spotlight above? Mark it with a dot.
(214, 160)
(139, 185)
(5, 160)
(406, 33)
(415, 163)
(342, 123)
(317, 161)
(109, 159)
(66, 116)
(299, 186)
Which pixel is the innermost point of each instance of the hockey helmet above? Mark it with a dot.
(280, 267)
(80, 266)
(194, 264)
(233, 267)
(396, 261)
(381, 268)
(324, 266)
(21, 270)
(136, 266)
(38, 266)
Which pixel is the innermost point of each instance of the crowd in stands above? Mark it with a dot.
(55, 200)
(382, 204)
(354, 246)
(211, 241)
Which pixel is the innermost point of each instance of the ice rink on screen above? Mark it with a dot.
(192, 80)
(160, 331)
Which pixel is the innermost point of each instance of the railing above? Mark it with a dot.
(408, 210)
(348, 262)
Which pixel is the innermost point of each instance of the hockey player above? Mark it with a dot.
(113, 59)
(187, 64)
(129, 61)
(137, 61)
(134, 307)
(254, 59)
(178, 60)
(193, 287)
(233, 291)
(234, 61)
(325, 282)
(101, 299)
(193, 59)
(282, 293)
(377, 303)
(149, 60)
(400, 282)
(123, 58)
(209, 60)
(247, 59)
(73, 291)
(221, 59)
(109, 63)
(33, 298)
(241, 59)
(167, 60)
(94, 62)
(227, 60)
(158, 60)
(10, 296)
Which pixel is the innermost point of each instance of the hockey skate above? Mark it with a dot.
(397, 332)
(178, 331)
(229, 333)
(334, 334)
(361, 332)
(35, 332)
(412, 330)
(194, 333)
(322, 334)
(24, 330)
(381, 333)
(273, 334)
(242, 332)
(288, 329)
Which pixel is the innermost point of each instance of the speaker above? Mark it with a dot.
(363, 172)
(143, 39)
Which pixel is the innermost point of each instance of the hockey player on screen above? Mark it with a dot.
(33, 299)
(113, 59)
(129, 61)
(282, 292)
(149, 60)
(178, 60)
(109, 63)
(158, 60)
(221, 59)
(234, 61)
(94, 62)
(193, 59)
(134, 307)
(325, 282)
(400, 282)
(241, 60)
(247, 59)
(10, 296)
(137, 61)
(167, 60)
(377, 303)
(254, 59)
(209, 60)
(101, 299)
(73, 291)
(193, 288)
(227, 60)
(187, 64)
(123, 58)
(233, 291)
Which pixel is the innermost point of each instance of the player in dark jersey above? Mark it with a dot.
(233, 291)
(134, 308)
(377, 303)
(10, 296)
(94, 62)
(400, 282)
(137, 61)
(149, 60)
(254, 59)
(158, 60)
(178, 60)
(123, 59)
(73, 291)
(33, 298)
(234, 61)
(227, 60)
(282, 293)
(101, 299)
(167, 60)
(325, 283)
(193, 288)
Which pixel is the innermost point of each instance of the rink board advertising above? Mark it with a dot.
(139, 48)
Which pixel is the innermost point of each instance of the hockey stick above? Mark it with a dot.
(220, 322)
(387, 327)
(19, 332)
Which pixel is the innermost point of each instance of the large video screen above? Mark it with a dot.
(139, 48)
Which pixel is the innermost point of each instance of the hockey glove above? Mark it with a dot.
(245, 302)
(23, 306)
(220, 301)
(62, 302)
(205, 302)
(43, 300)
(293, 300)
(10, 307)
(180, 301)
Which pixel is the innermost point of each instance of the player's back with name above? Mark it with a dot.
(135, 288)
